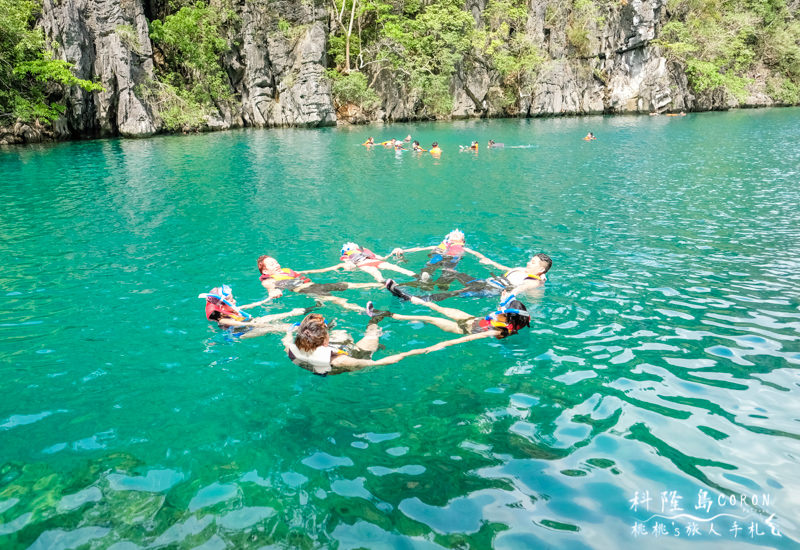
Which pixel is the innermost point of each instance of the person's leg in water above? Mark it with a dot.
(264, 325)
(322, 292)
(370, 341)
(476, 288)
(424, 279)
(449, 274)
(375, 271)
(445, 324)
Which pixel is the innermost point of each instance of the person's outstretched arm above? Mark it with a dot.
(324, 269)
(276, 316)
(462, 339)
(272, 290)
(414, 249)
(477, 255)
(254, 304)
(351, 364)
(488, 261)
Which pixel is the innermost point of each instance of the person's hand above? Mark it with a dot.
(349, 266)
(276, 293)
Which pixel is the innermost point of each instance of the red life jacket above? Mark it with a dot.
(450, 249)
(361, 257)
(225, 311)
(286, 278)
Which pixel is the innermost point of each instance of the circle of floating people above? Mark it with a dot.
(310, 340)
(407, 144)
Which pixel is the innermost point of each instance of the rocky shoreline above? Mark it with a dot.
(279, 79)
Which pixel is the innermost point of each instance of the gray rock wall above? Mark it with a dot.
(621, 73)
(278, 73)
(107, 41)
(283, 80)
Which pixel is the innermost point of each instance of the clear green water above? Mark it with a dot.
(663, 355)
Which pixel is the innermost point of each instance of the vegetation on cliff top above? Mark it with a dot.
(722, 43)
(191, 80)
(421, 46)
(410, 49)
(31, 80)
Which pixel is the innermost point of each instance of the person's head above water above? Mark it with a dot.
(455, 236)
(511, 317)
(349, 248)
(539, 264)
(312, 333)
(268, 264)
(491, 142)
(219, 294)
(435, 144)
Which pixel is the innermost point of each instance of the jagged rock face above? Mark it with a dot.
(282, 79)
(279, 72)
(18, 133)
(622, 72)
(106, 40)
(634, 71)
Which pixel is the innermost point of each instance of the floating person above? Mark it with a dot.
(522, 279)
(494, 145)
(354, 256)
(389, 144)
(417, 148)
(509, 318)
(370, 142)
(472, 147)
(444, 256)
(435, 150)
(221, 307)
(322, 351)
(408, 138)
(589, 137)
(519, 280)
(276, 279)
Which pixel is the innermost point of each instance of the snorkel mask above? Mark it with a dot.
(510, 316)
(224, 295)
(455, 236)
(349, 248)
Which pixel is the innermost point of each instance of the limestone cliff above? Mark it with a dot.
(277, 59)
(280, 74)
(108, 41)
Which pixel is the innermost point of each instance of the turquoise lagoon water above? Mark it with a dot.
(654, 402)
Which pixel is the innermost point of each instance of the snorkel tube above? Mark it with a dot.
(509, 307)
(221, 294)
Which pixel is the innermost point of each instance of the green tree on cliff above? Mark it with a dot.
(31, 79)
(722, 43)
(192, 83)
(418, 45)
